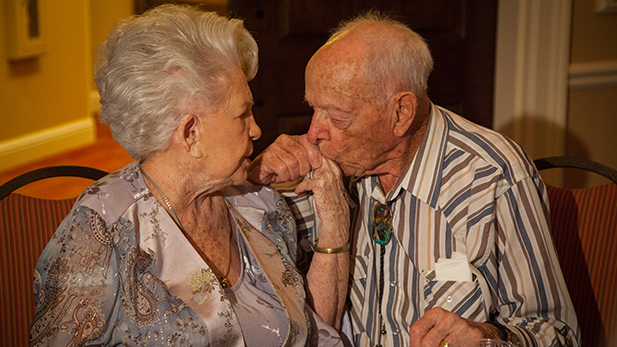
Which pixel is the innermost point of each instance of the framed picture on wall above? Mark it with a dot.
(24, 35)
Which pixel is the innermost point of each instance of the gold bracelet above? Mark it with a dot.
(341, 249)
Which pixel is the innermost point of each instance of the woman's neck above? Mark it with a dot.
(202, 217)
(189, 196)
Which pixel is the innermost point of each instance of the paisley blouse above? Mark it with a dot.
(119, 271)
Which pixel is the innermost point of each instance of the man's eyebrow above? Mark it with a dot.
(327, 107)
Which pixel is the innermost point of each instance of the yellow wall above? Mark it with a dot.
(592, 104)
(104, 14)
(45, 105)
(594, 35)
(42, 92)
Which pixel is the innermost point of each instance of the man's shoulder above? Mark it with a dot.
(485, 149)
(474, 133)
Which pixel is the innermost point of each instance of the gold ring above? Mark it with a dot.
(443, 344)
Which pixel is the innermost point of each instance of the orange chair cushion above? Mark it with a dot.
(26, 225)
(584, 228)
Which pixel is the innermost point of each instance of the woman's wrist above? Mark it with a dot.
(325, 250)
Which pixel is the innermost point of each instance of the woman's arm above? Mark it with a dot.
(327, 278)
(74, 283)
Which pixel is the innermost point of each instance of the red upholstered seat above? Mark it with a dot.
(26, 225)
(584, 228)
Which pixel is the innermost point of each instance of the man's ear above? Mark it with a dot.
(187, 134)
(405, 106)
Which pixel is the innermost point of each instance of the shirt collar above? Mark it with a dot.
(424, 172)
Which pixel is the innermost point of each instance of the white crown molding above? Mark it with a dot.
(593, 75)
(531, 77)
(31, 147)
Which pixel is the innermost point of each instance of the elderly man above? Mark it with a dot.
(450, 239)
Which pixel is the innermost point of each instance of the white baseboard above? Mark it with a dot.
(31, 147)
(593, 75)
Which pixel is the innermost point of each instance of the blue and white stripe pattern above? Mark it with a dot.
(473, 191)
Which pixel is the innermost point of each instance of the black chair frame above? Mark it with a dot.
(577, 163)
(48, 172)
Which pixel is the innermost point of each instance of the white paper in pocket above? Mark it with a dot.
(453, 269)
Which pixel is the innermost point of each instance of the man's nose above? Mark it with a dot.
(318, 131)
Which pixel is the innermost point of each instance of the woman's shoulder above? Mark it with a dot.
(113, 194)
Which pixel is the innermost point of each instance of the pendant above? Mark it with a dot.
(223, 281)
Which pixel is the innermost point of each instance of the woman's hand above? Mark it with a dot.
(327, 278)
(331, 202)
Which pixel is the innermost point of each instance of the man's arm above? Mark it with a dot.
(533, 304)
(535, 301)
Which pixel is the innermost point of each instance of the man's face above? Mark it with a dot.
(350, 124)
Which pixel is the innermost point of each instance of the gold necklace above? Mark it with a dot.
(221, 279)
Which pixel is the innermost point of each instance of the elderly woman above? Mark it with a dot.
(177, 248)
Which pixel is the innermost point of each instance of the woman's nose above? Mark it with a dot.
(254, 130)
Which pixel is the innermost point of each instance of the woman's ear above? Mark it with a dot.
(187, 134)
(405, 106)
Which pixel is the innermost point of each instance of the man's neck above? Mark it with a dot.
(396, 167)
(403, 154)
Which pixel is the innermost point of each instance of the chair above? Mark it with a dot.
(584, 229)
(26, 225)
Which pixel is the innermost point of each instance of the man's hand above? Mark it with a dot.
(286, 159)
(440, 325)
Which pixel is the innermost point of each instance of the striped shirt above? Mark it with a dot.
(468, 190)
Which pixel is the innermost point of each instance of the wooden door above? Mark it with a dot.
(461, 35)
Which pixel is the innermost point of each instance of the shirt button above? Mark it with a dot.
(393, 283)
(396, 332)
(449, 299)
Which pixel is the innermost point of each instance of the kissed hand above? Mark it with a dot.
(286, 159)
(330, 195)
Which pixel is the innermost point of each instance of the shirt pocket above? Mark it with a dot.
(465, 298)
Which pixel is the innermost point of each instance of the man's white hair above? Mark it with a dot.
(403, 60)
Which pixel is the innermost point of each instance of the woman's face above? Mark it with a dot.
(229, 133)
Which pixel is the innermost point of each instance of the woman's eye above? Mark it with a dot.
(246, 114)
